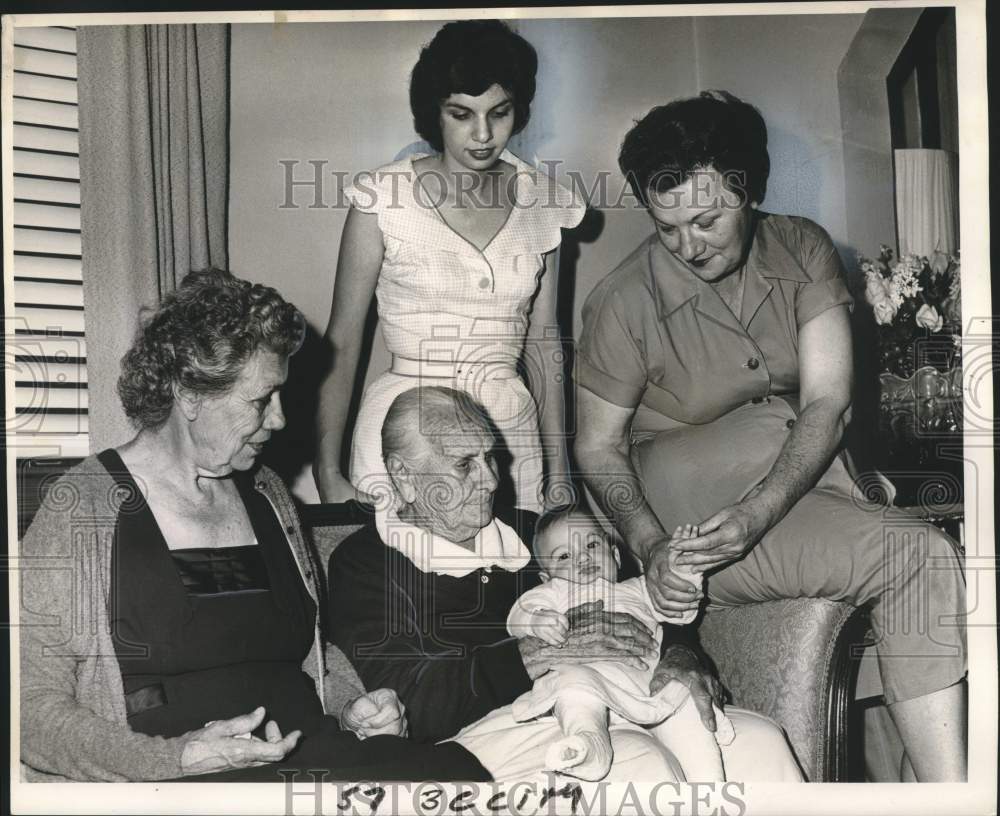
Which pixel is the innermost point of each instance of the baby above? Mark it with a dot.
(579, 564)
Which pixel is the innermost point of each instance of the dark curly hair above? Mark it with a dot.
(714, 129)
(470, 56)
(200, 338)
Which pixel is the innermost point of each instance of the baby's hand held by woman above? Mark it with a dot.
(727, 536)
(671, 594)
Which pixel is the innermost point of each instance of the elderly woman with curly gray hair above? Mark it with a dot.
(175, 624)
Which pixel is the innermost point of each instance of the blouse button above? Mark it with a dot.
(484, 283)
(790, 424)
(484, 578)
(753, 363)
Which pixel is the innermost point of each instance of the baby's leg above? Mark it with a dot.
(695, 746)
(585, 748)
(692, 576)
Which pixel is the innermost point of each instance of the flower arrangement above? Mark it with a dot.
(917, 303)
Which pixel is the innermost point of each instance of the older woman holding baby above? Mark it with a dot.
(420, 600)
(715, 383)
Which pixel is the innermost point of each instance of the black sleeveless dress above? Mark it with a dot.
(207, 633)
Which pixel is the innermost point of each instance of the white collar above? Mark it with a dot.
(496, 545)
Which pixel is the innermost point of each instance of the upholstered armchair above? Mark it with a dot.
(793, 660)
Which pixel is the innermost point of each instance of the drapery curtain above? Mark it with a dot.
(926, 201)
(154, 156)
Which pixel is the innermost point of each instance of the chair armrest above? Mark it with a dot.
(793, 661)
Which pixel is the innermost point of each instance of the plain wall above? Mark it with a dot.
(337, 92)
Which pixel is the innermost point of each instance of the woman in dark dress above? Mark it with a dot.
(191, 610)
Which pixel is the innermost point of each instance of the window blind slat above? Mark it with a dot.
(37, 369)
(34, 345)
(45, 164)
(32, 267)
(60, 243)
(45, 62)
(58, 192)
(62, 424)
(42, 87)
(45, 113)
(44, 138)
(42, 215)
(45, 397)
(40, 319)
(55, 39)
(59, 294)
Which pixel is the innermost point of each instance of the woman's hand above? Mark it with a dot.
(593, 635)
(223, 745)
(725, 537)
(377, 712)
(550, 626)
(681, 664)
(672, 595)
(335, 488)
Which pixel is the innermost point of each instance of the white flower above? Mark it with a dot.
(939, 262)
(878, 294)
(903, 283)
(884, 312)
(928, 318)
(876, 288)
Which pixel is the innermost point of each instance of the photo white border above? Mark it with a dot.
(975, 797)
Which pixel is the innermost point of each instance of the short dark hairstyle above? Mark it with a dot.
(714, 129)
(200, 338)
(470, 56)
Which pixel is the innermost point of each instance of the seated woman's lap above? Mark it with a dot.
(512, 750)
(829, 546)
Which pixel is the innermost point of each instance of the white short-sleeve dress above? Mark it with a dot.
(454, 315)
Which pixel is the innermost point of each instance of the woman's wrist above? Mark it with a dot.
(531, 650)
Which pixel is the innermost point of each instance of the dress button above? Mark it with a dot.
(484, 283)
(753, 363)
(484, 578)
(790, 424)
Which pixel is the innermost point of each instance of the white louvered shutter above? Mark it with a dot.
(49, 346)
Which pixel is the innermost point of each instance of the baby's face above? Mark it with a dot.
(578, 550)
